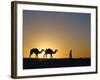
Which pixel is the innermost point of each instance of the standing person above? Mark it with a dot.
(70, 54)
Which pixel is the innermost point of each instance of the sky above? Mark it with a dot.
(56, 30)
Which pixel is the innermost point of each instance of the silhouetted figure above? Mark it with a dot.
(35, 51)
(49, 51)
(70, 54)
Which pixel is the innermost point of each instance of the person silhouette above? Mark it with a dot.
(70, 54)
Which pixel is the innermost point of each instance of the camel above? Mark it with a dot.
(35, 51)
(49, 51)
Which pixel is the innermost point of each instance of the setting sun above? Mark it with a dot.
(58, 31)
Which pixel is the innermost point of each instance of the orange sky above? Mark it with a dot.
(61, 31)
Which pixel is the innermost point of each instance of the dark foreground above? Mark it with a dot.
(29, 63)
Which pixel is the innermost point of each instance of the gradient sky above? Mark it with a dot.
(56, 30)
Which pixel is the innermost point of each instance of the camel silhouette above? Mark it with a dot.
(35, 51)
(49, 51)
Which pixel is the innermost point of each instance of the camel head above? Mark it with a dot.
(55, 51)
(42, 50)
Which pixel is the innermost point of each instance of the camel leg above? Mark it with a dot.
(36, 56)
(30, 56)
(51, 56)
(46, 55)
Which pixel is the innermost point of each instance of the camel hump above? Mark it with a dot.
(49, 49)
(34, 49)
